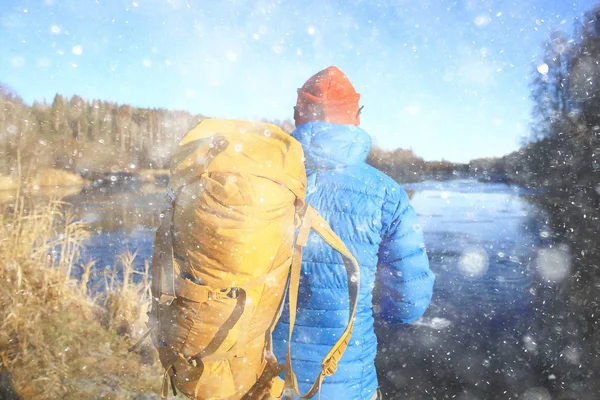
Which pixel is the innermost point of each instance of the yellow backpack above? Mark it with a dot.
(227, 251)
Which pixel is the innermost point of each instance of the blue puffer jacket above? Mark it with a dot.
(372, 215)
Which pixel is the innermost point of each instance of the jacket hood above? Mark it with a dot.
(328, 145)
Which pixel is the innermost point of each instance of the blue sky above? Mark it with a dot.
(448, 79)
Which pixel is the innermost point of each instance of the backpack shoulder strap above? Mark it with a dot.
(312, 220)
(163, 269)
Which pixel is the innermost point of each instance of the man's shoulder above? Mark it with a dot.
(362, 178)
(388, 187)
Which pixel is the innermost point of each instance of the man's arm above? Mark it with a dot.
(406, 282)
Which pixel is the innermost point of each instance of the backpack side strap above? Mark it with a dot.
(312, 220)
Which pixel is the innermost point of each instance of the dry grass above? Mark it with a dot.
(56, 342)
(124, 311)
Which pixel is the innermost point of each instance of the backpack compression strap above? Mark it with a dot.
(312, 220)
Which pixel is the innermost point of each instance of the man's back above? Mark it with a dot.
(371, 214)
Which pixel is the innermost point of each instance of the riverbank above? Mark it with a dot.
(568, 299)
(57, 341)
(42, 178)
(477, 351)
(46, 182)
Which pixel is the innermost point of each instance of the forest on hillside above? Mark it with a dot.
(82, 136)
(563, 152)
(88, 137)
(405, 166)
(561, 161)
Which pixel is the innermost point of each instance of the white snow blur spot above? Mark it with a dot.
(74, 65)
(572, 355)
(529, 343)
(434, 323)
(553, 264)
(598, 189)
(270, 281)
(231, 56)
(474, 262)
(299, 52)
(543, 69)
(445, 195)
(147, 63)
(17, 61)
(55, 29)
(277, 49)
(412, 110)
(135, 4)
(311, 30)
(537, 393)
(90, 217)
(44, 62)
(77, 50)
(256, 36)
(482, 20)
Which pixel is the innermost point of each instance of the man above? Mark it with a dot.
(372, 215)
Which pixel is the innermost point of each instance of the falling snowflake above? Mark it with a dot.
(553, 264)
(482, 20)
(543, 69)
(232, 56)
(77, 50)
(474, 262)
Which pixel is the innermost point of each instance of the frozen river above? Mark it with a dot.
(481, 240)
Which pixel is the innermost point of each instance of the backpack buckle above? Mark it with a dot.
(166, 299)
(230, 293)
(329, 366)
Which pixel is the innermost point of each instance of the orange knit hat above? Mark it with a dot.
(327, 96)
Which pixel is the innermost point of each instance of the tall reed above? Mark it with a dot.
(56, 342)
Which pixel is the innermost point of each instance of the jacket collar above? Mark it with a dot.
(328, 145)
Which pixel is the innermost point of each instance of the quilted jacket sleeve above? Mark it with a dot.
(405, 280)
